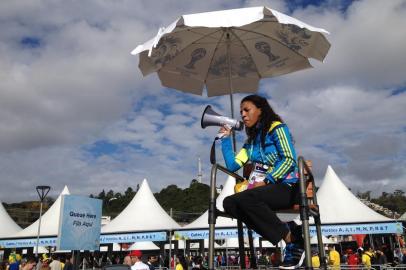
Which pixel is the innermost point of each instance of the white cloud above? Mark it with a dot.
(79, 85)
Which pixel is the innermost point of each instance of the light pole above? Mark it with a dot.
(42, 193)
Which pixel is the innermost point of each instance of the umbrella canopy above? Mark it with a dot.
(230, 51)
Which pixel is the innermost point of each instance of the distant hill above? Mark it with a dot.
(25, 213)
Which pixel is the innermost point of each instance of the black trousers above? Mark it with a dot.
(256, 208)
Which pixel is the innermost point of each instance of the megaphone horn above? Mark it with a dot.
(211, 118)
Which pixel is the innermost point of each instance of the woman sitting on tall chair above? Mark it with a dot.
(273, 180)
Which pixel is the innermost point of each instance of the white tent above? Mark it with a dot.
(41, 249)
(116, 247)
(182, 245)
(7, 225)
(49, 221)
(233, 243)
(339, 206)
(206, 245)
(403, 217)
(202, 221)
(143, 213)
(265, 244)
(146, 245)
(325, 240)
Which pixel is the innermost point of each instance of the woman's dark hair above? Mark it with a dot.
(268, 116)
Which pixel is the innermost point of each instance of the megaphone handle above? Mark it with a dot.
(220, 135)
(213, 153)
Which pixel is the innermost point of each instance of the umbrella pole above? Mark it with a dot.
(230, 84)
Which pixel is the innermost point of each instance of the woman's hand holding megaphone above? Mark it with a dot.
(224, 131)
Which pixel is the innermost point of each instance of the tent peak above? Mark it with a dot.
(65, 191)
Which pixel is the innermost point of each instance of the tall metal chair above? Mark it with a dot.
(307, 207)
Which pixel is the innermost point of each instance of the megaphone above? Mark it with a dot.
(211, 118)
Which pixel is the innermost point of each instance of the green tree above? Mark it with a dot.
(395, 201)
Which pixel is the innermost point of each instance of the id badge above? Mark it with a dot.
(258, 174)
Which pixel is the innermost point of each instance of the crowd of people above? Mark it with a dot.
(16, 262)
(365, 256)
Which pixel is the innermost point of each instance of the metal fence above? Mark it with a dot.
(342, 267)
(266, 267)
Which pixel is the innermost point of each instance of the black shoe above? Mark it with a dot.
(293, 257)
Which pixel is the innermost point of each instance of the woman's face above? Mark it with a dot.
(250, 113)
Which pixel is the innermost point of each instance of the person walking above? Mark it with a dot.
(30, 264)
(352, 259)
(137, 264)
(333, 258)
(367, 257)
(68, 263)
(127, 260)
(151, 260)
(274, 180)
(55, 264)
(181, 263)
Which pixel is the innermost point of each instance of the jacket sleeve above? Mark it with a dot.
(233, 162)
(286, 152)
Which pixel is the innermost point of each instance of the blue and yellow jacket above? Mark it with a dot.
(278, 153)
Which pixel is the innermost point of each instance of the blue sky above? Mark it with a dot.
(75, 109)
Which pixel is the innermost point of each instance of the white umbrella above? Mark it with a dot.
(230, 51)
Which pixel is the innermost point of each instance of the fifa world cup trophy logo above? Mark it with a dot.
(265, 48)
(196, 55)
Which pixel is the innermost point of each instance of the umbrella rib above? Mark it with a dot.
(214, 52)
(202, 36)
(256, 68)
(193, 30)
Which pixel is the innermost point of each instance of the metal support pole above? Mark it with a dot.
(212, 209)
(304, 215)
(253, 258)
(322, 253)
(170, 245)
(212, 215)
(76, 259)
(39, 229)
(42, 193)
(241, 249)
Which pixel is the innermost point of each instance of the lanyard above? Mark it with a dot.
(260, 150)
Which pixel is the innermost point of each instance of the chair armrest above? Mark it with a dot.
(237, 177)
